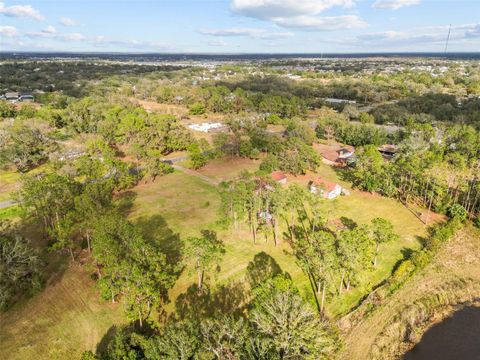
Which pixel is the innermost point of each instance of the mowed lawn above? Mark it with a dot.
(9, 183)
(227, 168)
(182, 205)
(187, 204)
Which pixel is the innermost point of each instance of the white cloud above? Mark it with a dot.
(73, 37)
(416, 37)
(20, 11)
(322, 23)
(49, 30)
(394, 4)
(474, 32)
(8, 31)
(65, 21)
(246, 32)
(267, 9)
(231, 32)
(217, 43)
(299, 14)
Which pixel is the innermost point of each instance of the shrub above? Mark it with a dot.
(477, 221)
(197, 109)
(457, 211)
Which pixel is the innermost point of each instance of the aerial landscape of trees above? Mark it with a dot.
(75, 161)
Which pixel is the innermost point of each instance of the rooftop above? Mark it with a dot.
(323, 184)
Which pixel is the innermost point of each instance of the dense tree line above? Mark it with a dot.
(430, 108)
(68, 77)
(436, 168)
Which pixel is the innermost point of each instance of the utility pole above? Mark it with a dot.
(448, 38)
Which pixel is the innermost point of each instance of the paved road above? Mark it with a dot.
(7, 204)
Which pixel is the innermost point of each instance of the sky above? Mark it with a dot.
(240, 26)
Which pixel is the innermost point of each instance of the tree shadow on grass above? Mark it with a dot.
(261, 268)
(155, 230)
(125, 202)
(344, 174)
(424, 240)
(54, 264)
(348, 223)
(205, 303)
(406, 255)
(106, 339)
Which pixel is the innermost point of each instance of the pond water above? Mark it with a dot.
(456, 338)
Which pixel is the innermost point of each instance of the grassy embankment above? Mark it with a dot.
(391, 326)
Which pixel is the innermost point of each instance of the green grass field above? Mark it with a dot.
(9, 182)
(68, 316)
(182, 202)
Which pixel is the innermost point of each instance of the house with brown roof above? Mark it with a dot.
(335, 155)
(326, 189)
(279, 177)
(388, 151)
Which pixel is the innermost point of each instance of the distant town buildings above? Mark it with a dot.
(14, 97)
(339, 101)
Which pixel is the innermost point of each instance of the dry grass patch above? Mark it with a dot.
(228, 168)
(65, 319)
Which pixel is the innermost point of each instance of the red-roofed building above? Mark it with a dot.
(279, 177)
(326, 189)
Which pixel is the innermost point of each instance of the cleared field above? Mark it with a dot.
(186, 203)
(178, 206)
(178, 199)
(227, 168)
(172, 109)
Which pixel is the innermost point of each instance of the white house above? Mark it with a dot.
(325, 189)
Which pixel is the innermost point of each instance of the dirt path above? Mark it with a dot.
(197, 174)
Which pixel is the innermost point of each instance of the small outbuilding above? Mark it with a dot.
(388, 151)
(26, 97)
(326, 189)
(279, 177)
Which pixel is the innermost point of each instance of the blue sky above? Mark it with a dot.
(238, 26)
